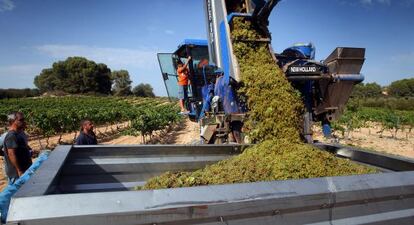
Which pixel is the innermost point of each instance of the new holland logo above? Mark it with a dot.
(303, 69)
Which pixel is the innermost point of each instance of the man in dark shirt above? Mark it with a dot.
(17, 153)
(86, 135)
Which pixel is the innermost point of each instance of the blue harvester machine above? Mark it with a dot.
(213, 100)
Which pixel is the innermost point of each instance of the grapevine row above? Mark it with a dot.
(54, 116)
(391, 120)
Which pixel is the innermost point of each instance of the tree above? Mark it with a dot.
(143, 90)
(369, 90)
(75, 75)
(402, 88)
(122, 83)
(46, 81)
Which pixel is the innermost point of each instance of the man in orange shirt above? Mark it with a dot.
(183, 73)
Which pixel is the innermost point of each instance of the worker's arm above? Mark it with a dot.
(179, 70)
(188, 61)
(13, 160)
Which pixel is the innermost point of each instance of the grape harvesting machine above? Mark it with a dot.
(214, 100)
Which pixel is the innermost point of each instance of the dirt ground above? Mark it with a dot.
(186, 133)
(102, 132)
(369, 138)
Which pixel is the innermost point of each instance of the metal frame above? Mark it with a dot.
(385, 198)
(382, 161)
(45, 178)
(73, 169)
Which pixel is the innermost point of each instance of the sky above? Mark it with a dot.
(127, 34)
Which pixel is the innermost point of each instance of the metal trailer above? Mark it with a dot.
(94, 185)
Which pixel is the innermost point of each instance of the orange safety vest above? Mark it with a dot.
(182, 76)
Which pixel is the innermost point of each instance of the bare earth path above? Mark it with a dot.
(368, 138)
(186, 133)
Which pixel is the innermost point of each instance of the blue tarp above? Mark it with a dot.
(11, 189)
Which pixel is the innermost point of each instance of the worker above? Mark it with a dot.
(183, 72)
(202, 63)
(86, 134)
(17, 153)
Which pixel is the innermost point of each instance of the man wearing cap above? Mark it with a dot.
(183, 72)
(17, 153)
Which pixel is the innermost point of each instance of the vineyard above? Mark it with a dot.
(356, 117)
(53, 116)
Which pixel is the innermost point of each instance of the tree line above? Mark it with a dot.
(78, 75)
(399, 95)
(18, 93)
(400, 88)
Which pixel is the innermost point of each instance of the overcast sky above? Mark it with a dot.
(127, 34)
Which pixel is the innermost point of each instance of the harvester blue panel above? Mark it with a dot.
(225, 53)
(227, 96)
(199, 42)
(306, 50)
